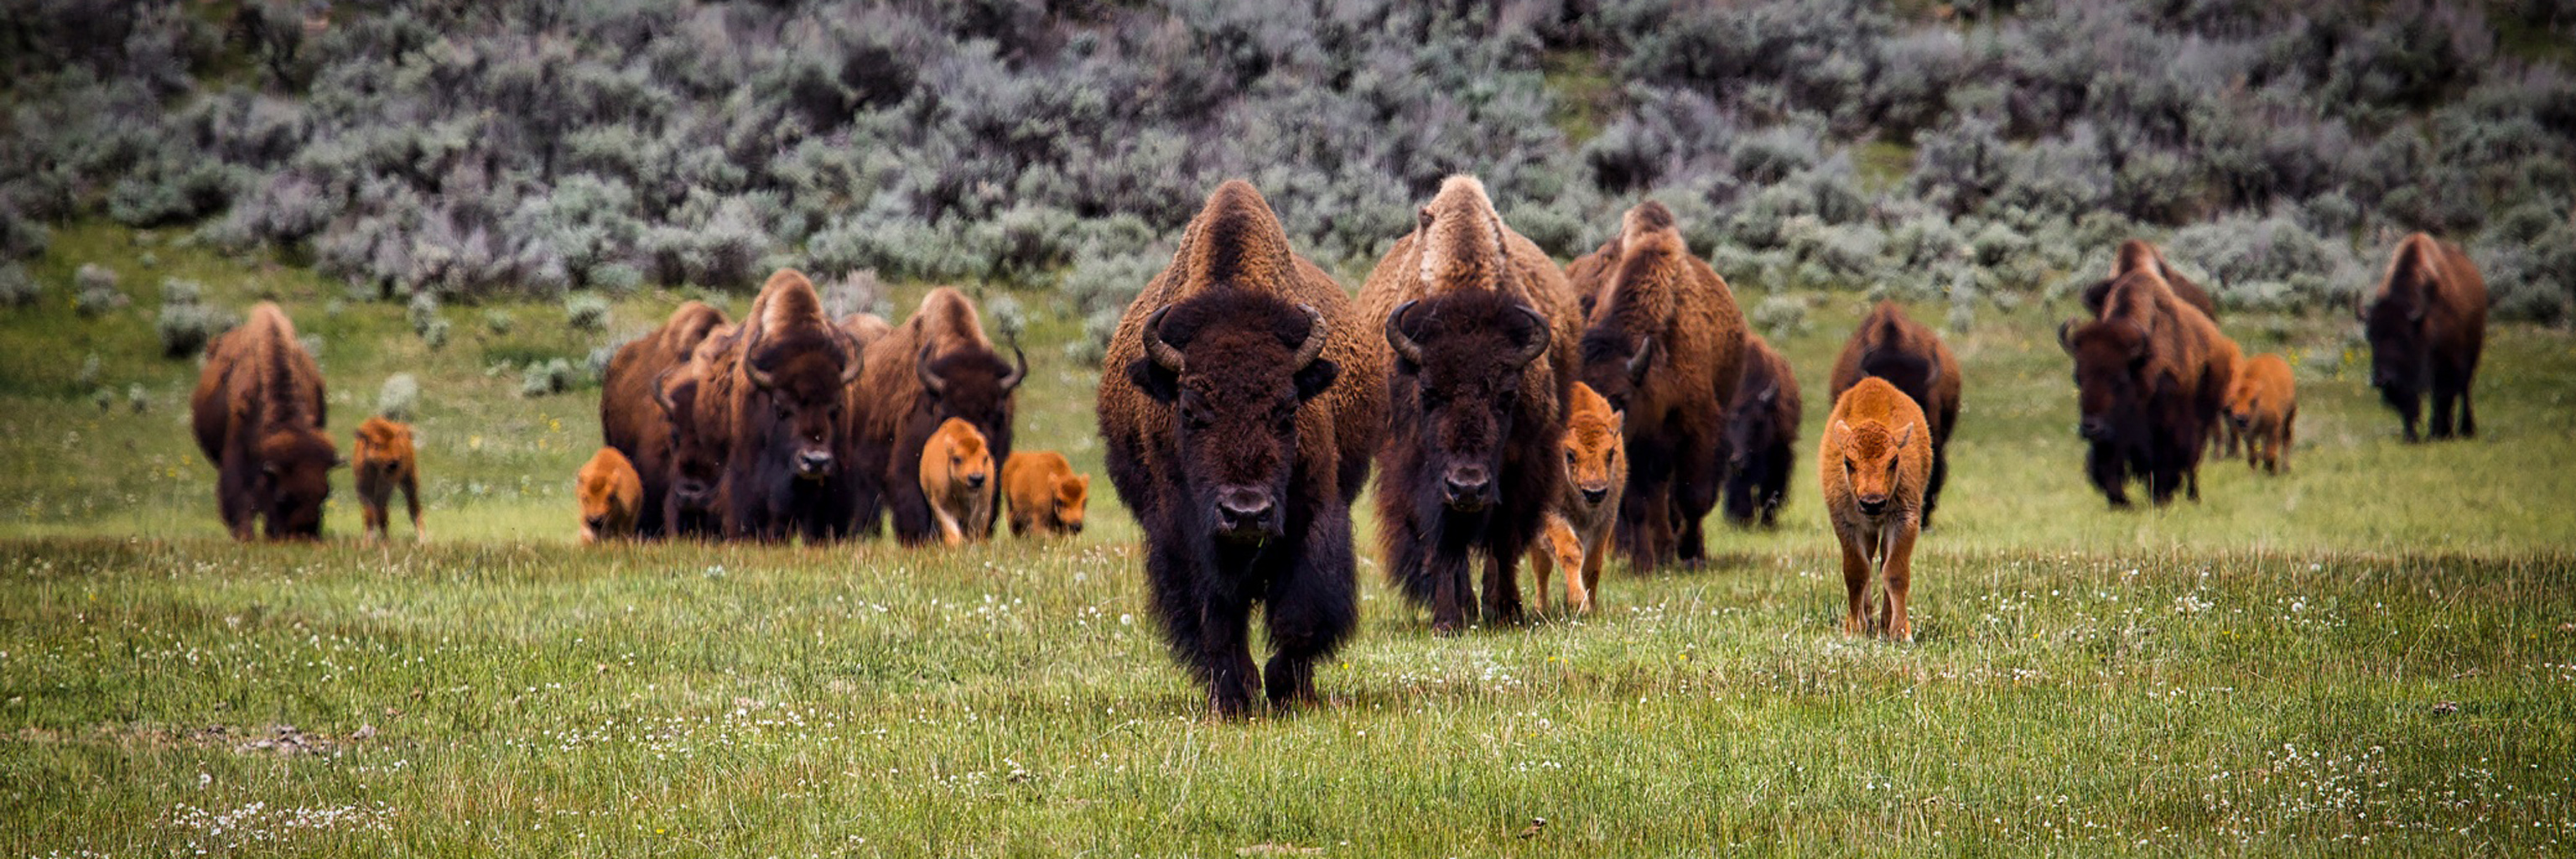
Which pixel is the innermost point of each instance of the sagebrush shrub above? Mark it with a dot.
(17, 289)
(399, 397)
(584, 312)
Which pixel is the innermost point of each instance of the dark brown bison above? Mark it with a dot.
(258, 414)
(1761, 436)
(2151, 373)
(2427, 324)
(1240, 401)
(1892, 346)
(1665, 345)
(701, 440)
(630, 420)
(792, 368)
(863, 481)
(935, 366)
(2137, 255)
(1481, 330)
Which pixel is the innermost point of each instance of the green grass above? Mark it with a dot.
(1586, 94)
(2255, 674)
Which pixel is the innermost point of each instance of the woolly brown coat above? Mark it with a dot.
(258, 415)
(786, 400)
(1874, 467)
(2151, 373)
(1586, 508)
(2263, 403)
(385, 461)
(1665, 344)
(1045, 496)
(2138, 255)
(2427, 325)
(956, 475)
(629, 418)
(1761, 435)
(1891, 345)
(610, 495)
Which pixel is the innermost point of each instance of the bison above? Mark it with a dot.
(1580, 520)
(1761, 436)
(385, 462)
(1046, 497)
(1875, 467)
(630, 419)
(1480, 328)
(1892, 346)
(700, 440)
(2263, 404)
(2150, 373)
(1240, 402)
(611, 495)
(935, 366)
(956, 473)
(258, 415)
(1664, 343)
(791, 370)
(2137, 255)
(2427, 324)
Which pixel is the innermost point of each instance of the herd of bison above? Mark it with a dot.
(1503, 401)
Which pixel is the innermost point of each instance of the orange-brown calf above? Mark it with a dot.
(1586, 510)
(2262, 404)
(1046, 497)
(956, 478)
(1874, 463)
(384, 463)
(611, 495)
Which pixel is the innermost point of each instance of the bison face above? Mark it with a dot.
(696, 461)
(1461, 358)
(294, 479)
(2397, 354)
(1592, 460)
(2110, 364)
(1235, 368)
(799, 386)
(971, 384)
(1870, 459)
(1072, 494)
(1615, 365)
(1751, 429)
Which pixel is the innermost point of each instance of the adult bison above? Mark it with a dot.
(1241, 399)
(2151, 374)
(1480, 329)
(2137, 255)
(701, 441)
(258, 414)
(2427, 324)
(935, 366)
(1892, 346)
(629, 418)
(1665, 345)
(1761, 434)
(785, 397)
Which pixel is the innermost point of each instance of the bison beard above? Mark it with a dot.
(1242, 520)
(1469, 459)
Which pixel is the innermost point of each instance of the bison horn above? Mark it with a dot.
(1020, 372)
(1162, 352)
(921, 370)
(662, 391)
(1644, 357)
(2066, 336)
(850, 369)
(1395, 336)
(1539, 338)
(759, 377)
(1313, 347)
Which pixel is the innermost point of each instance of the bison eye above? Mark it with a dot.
(782, 411)
(1569, 457)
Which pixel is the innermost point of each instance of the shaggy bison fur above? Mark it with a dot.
(1761, 436)
(258, 415)
(631, 421)
(1875, 468)
(2427, 324)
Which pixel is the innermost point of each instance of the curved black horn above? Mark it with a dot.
(1395, 336)
(1538, 342)
(759, 377)
(1316, 330)
(921, 370)
(2066, 336)
(1163, 354)
(1019, 373)
(662, 390)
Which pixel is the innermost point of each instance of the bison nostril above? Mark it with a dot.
(975, 481)
(1594, 496)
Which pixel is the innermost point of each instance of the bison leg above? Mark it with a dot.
(1542, 561)
(2107, 469)
(2284, 437)
(1697, 476)
(1899, 564)
(1226, 651)
(1645, 526)
(1311, 609)
(1855, 581)
(905, 505)
(233, 502)
(1940, 475)
(411, 502)
(1503, 583)
(1594, 557)
(2468, 416)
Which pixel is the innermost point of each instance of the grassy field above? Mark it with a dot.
(2373, 653)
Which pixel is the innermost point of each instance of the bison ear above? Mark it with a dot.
(1618, 423)
(1316, 377)
(1422, 219)
(1904, 435)
(1159, 382)
(1843, 427)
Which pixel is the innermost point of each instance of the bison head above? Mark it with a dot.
(1235, 368)
(799, 385)
(1870, 461)
(697, 461)
(294, 478)
(969, 461)
(1592, 447)
(2398, 364)
(1072, 494)
(1459, 359)
(1751, 427)
(2110, 369)
(1615, 365)
(972, 384)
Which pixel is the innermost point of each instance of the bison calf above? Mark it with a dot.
(1577, 536)
(957, 479)
(1875, 462)
(1045, 496)
(611, 496)
(1761, 434)
(2261, 405)
(385, 462)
